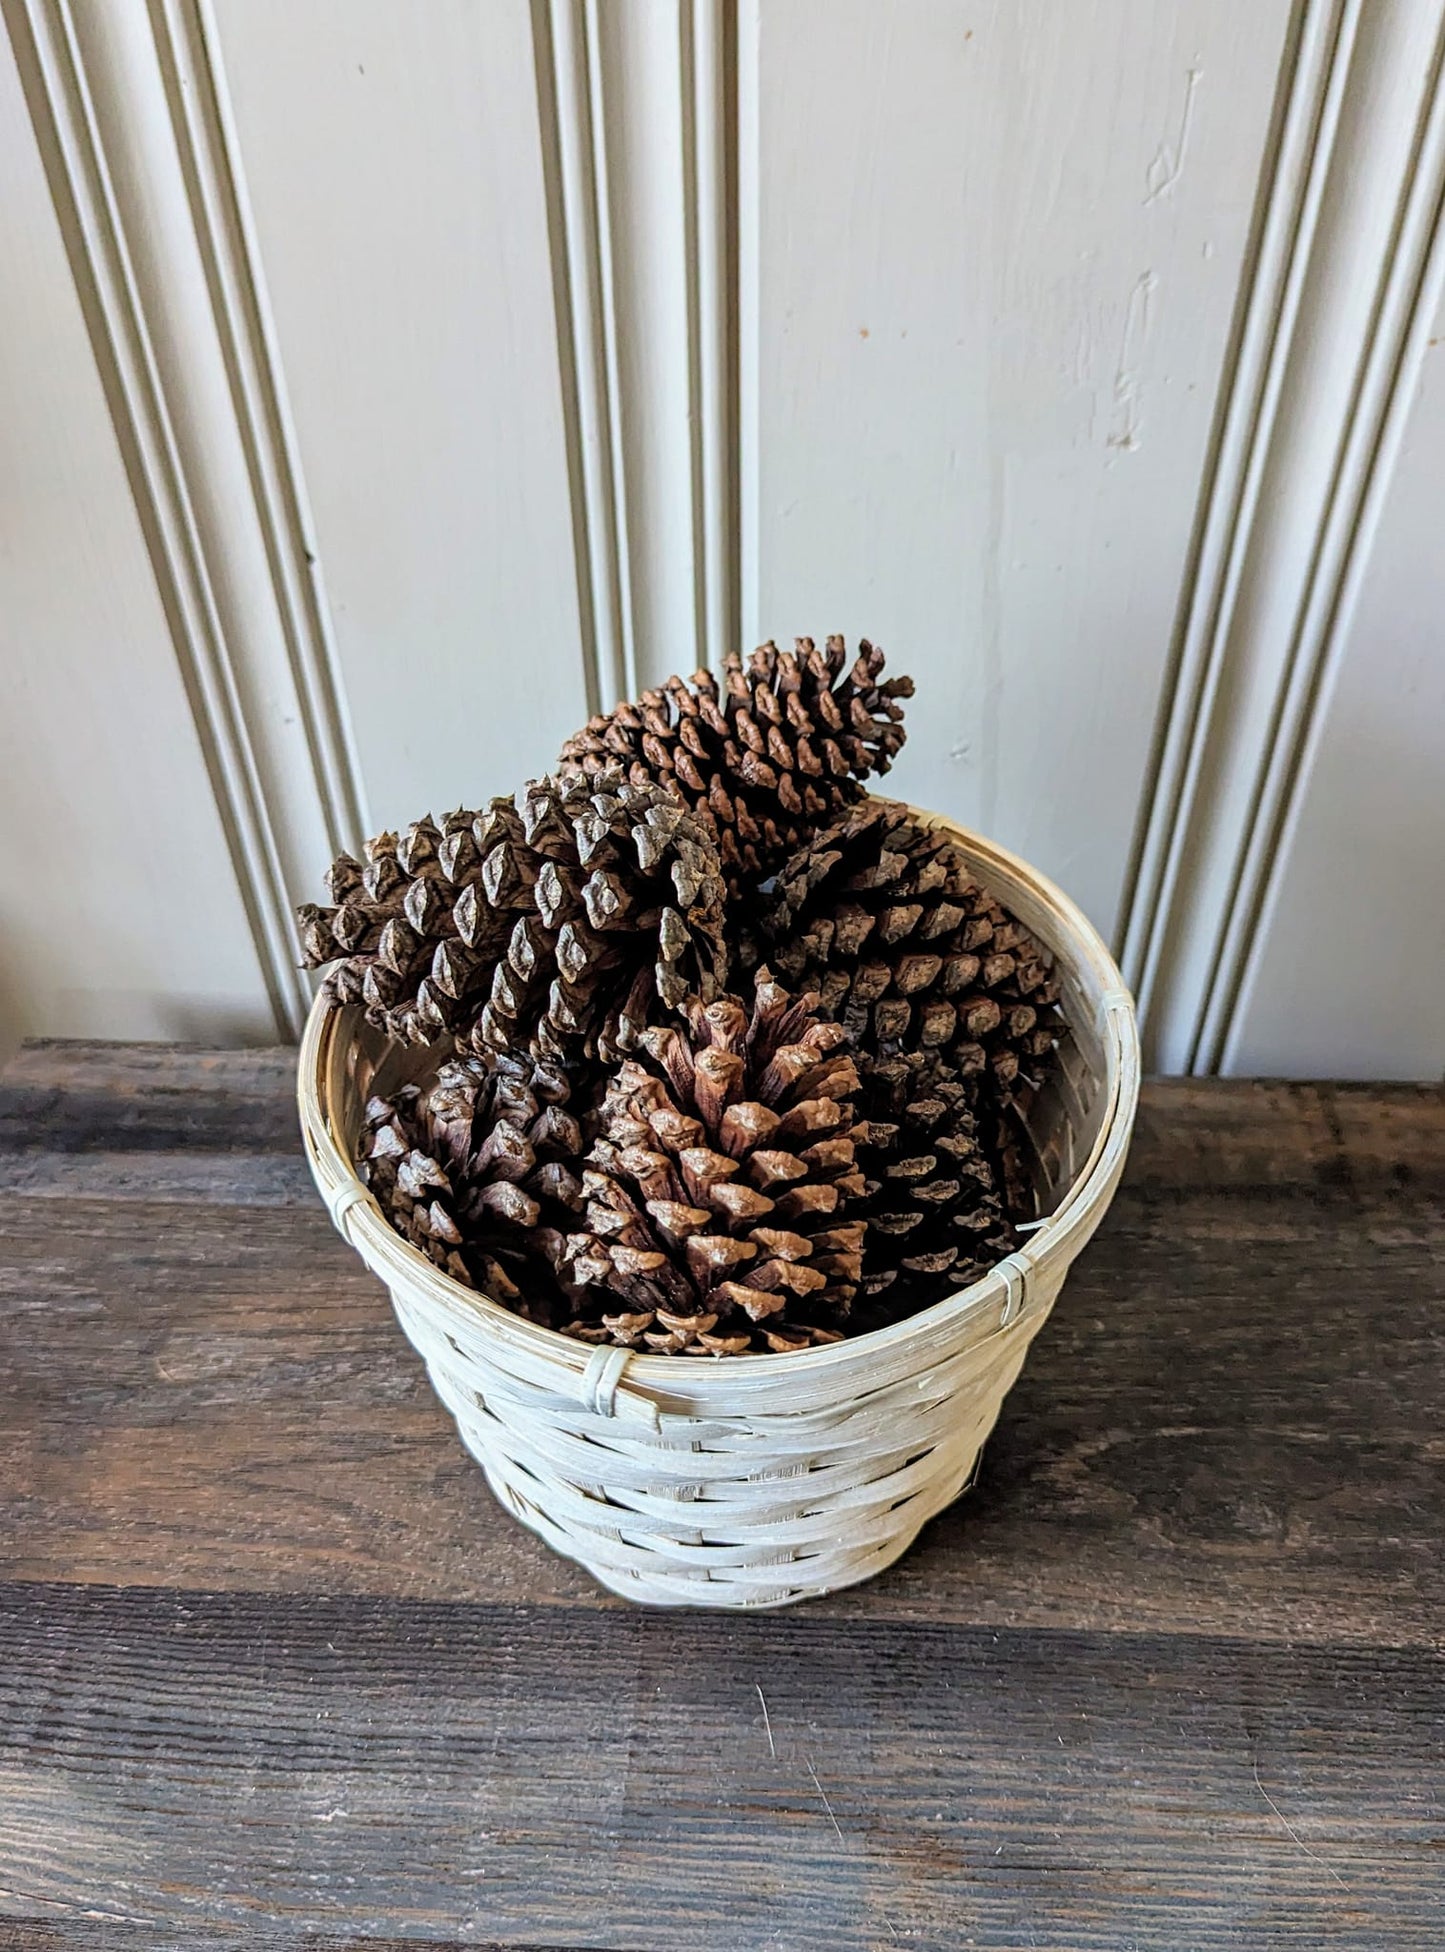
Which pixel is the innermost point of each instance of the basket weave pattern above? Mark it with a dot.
(754, 1481)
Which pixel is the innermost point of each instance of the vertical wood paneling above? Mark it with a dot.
(394, 164)
(124, 110)
(641, 98)
(991, 255)
(1345, 975)
(119, 912)
(644, 59)
(474, 366)
(1311, 94)
(713, 325)
(1346, 352)
(575, 172)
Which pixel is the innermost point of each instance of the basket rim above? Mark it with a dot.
(396, 1261)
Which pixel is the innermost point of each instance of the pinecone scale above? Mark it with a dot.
(554, 922)
(720, 1195)
(936, 1220)
(882, 917)
(763, 756)
(480, 1170)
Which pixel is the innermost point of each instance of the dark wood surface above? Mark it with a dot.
(274, 1670)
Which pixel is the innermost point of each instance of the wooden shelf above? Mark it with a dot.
(274, 1667)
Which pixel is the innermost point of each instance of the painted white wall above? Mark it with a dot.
(1346, 976)
(394, 168)
(1077, 355)
(991, 254)
(1334, 335)
(120, 915)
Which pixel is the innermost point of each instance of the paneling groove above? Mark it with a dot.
(1312, 85)
(135, 926)
(640, 101)
(1409, 300)
(1343, 284)
(189, 45)
(130, 120)
(1362, 836)
(748, 44)
(566, 88)
(712, 261)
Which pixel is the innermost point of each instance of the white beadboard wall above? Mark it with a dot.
(423, 377)
(1345, 979)
(395, 176)
(990, 256)
(120, 914)
(1334, 333)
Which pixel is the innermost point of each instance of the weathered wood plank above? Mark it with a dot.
(1205, 1135)
(69, 1096)
(612, 1779)
(207, 1178)
(1169, 1676)
(1233, 1417)
(203, 1384)
(95, 1935)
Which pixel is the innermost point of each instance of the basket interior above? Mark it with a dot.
(1063, 1121)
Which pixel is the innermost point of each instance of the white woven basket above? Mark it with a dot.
(752, 1481)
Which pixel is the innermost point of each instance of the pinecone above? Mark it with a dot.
(935, 1217)
(882, 918)
(1001, 1133)
(764, 758)
(548, 922)
(481, 1170)
(721, 1195)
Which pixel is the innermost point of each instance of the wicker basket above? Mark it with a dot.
(752, 1481)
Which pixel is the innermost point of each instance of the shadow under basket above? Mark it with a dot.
(752, 1481)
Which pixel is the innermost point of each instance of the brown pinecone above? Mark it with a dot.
(1001, 1131)
(721, 1195)
(550, 922)
(935, 1218)
(481, 1170)
(764, 757)
(881, 916)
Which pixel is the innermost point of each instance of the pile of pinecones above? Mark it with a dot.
(731, 1056)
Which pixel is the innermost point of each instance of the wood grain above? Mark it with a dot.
(90, 1934)
(206, 1385)
(273, 1666)
(70, 1095)
(237, 1756)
